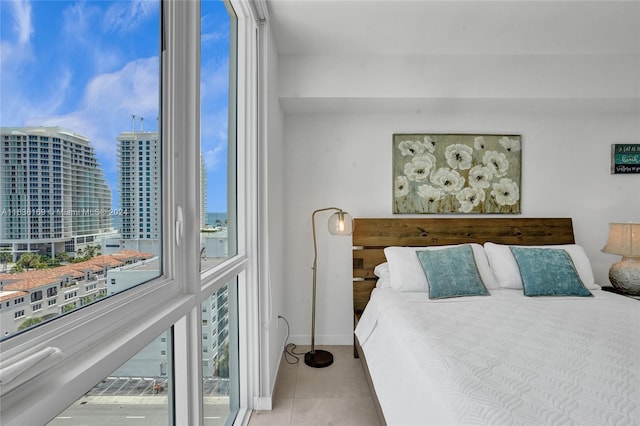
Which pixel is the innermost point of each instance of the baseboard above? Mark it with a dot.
(266, 402)
(262, 403)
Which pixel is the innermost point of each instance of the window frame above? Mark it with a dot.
(94, 341)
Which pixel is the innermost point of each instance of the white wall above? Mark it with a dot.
(341, 114)
(272, 285)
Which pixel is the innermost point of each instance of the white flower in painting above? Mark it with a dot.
(419, 168)
(480, 177)
(479, 143)
(496, 162)
(505, 192)
(449, 180)
(509, 144)
(459, 156)
(429, 144)
(411, 148)
(469, 198)
(430, 193)
(401, 186)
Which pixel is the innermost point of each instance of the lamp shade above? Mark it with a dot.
(624, 239)
(341, 223)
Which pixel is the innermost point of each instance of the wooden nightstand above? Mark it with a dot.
(611, 289)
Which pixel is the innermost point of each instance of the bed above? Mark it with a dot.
(565, 353)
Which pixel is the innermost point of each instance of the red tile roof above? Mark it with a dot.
(10, 295)
(25, 281)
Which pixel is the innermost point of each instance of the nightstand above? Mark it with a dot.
(611, 289)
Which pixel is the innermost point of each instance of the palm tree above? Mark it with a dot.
(25, 260)
(5, 257)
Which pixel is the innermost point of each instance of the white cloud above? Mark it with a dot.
(213, 36)
(22, 20)
(13, 52)
(79, 22)
(106, 107)
(214, 157)
(75, 20)
(214, 78)
(133, 88)
(56, 97)
(214, 134)
(126, 16)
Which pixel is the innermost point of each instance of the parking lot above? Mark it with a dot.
(140, 386)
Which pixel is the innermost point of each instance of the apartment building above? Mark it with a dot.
(139, 162)
(53, 194)
(39, 295)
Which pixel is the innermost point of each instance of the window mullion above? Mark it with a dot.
(182, 106)
(187, 349)
(247, 133)
(181, 127)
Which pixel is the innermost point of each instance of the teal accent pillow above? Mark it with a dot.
(548, 272)
(452, 272)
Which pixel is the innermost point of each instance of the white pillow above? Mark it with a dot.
(506, 271)
(407, 273)
(384, 275)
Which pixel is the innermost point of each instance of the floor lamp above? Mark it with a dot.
(340, 223)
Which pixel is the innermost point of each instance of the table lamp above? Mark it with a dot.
(340, 223)
(624, 239)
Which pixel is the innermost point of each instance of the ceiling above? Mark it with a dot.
(432, 27)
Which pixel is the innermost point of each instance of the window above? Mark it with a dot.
(220, 354)
(143, 378)
(218, 203)
(92, 189)
(36, 295)
(93, 338)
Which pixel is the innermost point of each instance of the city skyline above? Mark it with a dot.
(90, 67)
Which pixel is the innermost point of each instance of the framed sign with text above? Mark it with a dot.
(625, 158)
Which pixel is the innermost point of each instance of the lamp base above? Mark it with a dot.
(625, 275)
(318, 359)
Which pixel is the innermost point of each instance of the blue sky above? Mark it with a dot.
(89, 65)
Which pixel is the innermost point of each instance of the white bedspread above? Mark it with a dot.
(504, 359)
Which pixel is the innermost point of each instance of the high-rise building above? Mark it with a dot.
(53, 194)
(203, 193)
(139, 161)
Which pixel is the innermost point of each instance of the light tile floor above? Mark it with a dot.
(337, 395)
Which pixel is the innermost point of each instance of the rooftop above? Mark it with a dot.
(14, 285)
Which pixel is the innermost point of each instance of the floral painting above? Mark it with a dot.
(456, 173)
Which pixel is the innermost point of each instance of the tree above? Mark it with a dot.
(62, 258)
(29, 322)
(222, 363)
(50, 262)
(38, 263)
(69, 307)
(5, 257)
(25, 260)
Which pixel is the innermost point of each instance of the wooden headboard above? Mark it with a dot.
(371, 236)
